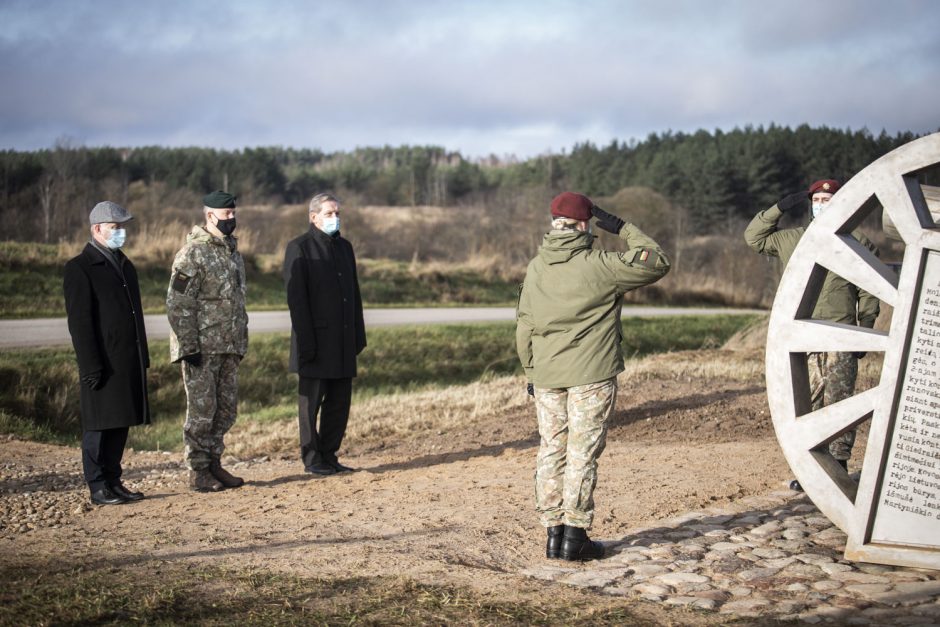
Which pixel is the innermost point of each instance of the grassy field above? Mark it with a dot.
(31, 283)
(206, 595)
(39, 390)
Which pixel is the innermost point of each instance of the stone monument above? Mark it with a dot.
(892, 514)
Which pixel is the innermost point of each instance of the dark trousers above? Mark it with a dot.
(331, 398)
(101, 456)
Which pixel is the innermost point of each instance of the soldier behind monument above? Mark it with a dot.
(831, 375)
(568, 339)
(206, 307)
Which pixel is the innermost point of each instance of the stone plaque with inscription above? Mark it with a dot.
(890, 510)
(908, 505)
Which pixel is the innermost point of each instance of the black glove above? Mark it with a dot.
(530, 389)
(859, 355)
(607, 221)
(794, 200)
(93, 380)
(194, 360)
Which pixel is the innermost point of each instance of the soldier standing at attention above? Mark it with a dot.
(206, 307)
(831, 375)
(568, 338)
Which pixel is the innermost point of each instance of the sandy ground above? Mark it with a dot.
(454, 507)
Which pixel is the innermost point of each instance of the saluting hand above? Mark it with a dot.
(607, 221)
(794, 200)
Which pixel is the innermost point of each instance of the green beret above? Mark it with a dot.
(219, 200)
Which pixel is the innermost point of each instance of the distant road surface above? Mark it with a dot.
(54, 331)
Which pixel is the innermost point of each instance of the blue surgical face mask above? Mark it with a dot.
(818, 208)
(116, 239)
(331, 224)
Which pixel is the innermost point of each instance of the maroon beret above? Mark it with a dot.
(572, 205)
(826, 186)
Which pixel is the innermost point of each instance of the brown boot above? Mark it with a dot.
(202, 481)
(225, 477)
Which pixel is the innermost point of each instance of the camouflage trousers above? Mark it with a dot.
(211, 407)
(832, 379)
(573, 430)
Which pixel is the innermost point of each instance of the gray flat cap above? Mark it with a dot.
(108, 211)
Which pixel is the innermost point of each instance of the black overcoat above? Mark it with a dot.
(107, 325)
(327, 327)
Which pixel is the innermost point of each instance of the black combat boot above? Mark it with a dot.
(844, 463)
(203, 481)
(576, 546)
(795, 485)
(553, 544)
(226, 478)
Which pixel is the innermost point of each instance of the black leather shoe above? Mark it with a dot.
(105, 496)
(844, 463)
(341, 468)
(553, 544)
(120, 490)
(576, 546)
(795, 486)
(320, 468)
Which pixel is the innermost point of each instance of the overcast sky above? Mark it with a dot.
(479, 77)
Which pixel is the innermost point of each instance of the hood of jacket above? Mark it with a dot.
(560, 246)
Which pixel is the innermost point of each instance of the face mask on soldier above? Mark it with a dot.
(226, 227)
(818, 208)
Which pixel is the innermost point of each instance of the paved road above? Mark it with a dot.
(54, 332)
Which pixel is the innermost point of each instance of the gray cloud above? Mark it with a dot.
(480, 77)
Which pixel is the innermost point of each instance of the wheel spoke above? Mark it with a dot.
(823, 336)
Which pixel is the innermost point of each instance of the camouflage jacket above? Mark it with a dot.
(568, 319)
(206, 298)
(839, 300)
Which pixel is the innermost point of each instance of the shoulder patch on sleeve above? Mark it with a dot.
(646, 257)
(180, 281)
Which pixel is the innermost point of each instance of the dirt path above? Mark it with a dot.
(435, 507)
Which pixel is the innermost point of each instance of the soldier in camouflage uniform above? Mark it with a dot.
(206, 307)
(831, 375)
(568, 339)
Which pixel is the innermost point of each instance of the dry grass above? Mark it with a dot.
(407, 415)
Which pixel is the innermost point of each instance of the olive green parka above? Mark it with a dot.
(568, 318)
(839, 300)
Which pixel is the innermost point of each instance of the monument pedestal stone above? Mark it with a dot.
(892, 514)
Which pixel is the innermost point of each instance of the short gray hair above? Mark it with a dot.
(560, 223)
(317, 202)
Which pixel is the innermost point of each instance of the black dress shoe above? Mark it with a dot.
(320, 468)
(795, 486)
(576, 546)
(105, 496)
(341, 468)
(120, 490)
(553, 543)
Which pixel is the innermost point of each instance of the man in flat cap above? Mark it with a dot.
(105, 318)
(831, 375)
(568, 339)
(206, 306)
(327, 332)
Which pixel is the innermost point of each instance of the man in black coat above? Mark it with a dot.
(102, 299)
(327, 332)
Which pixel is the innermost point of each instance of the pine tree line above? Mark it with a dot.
(716, 177)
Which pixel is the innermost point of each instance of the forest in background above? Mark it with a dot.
(715, 177)
(438, 214)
